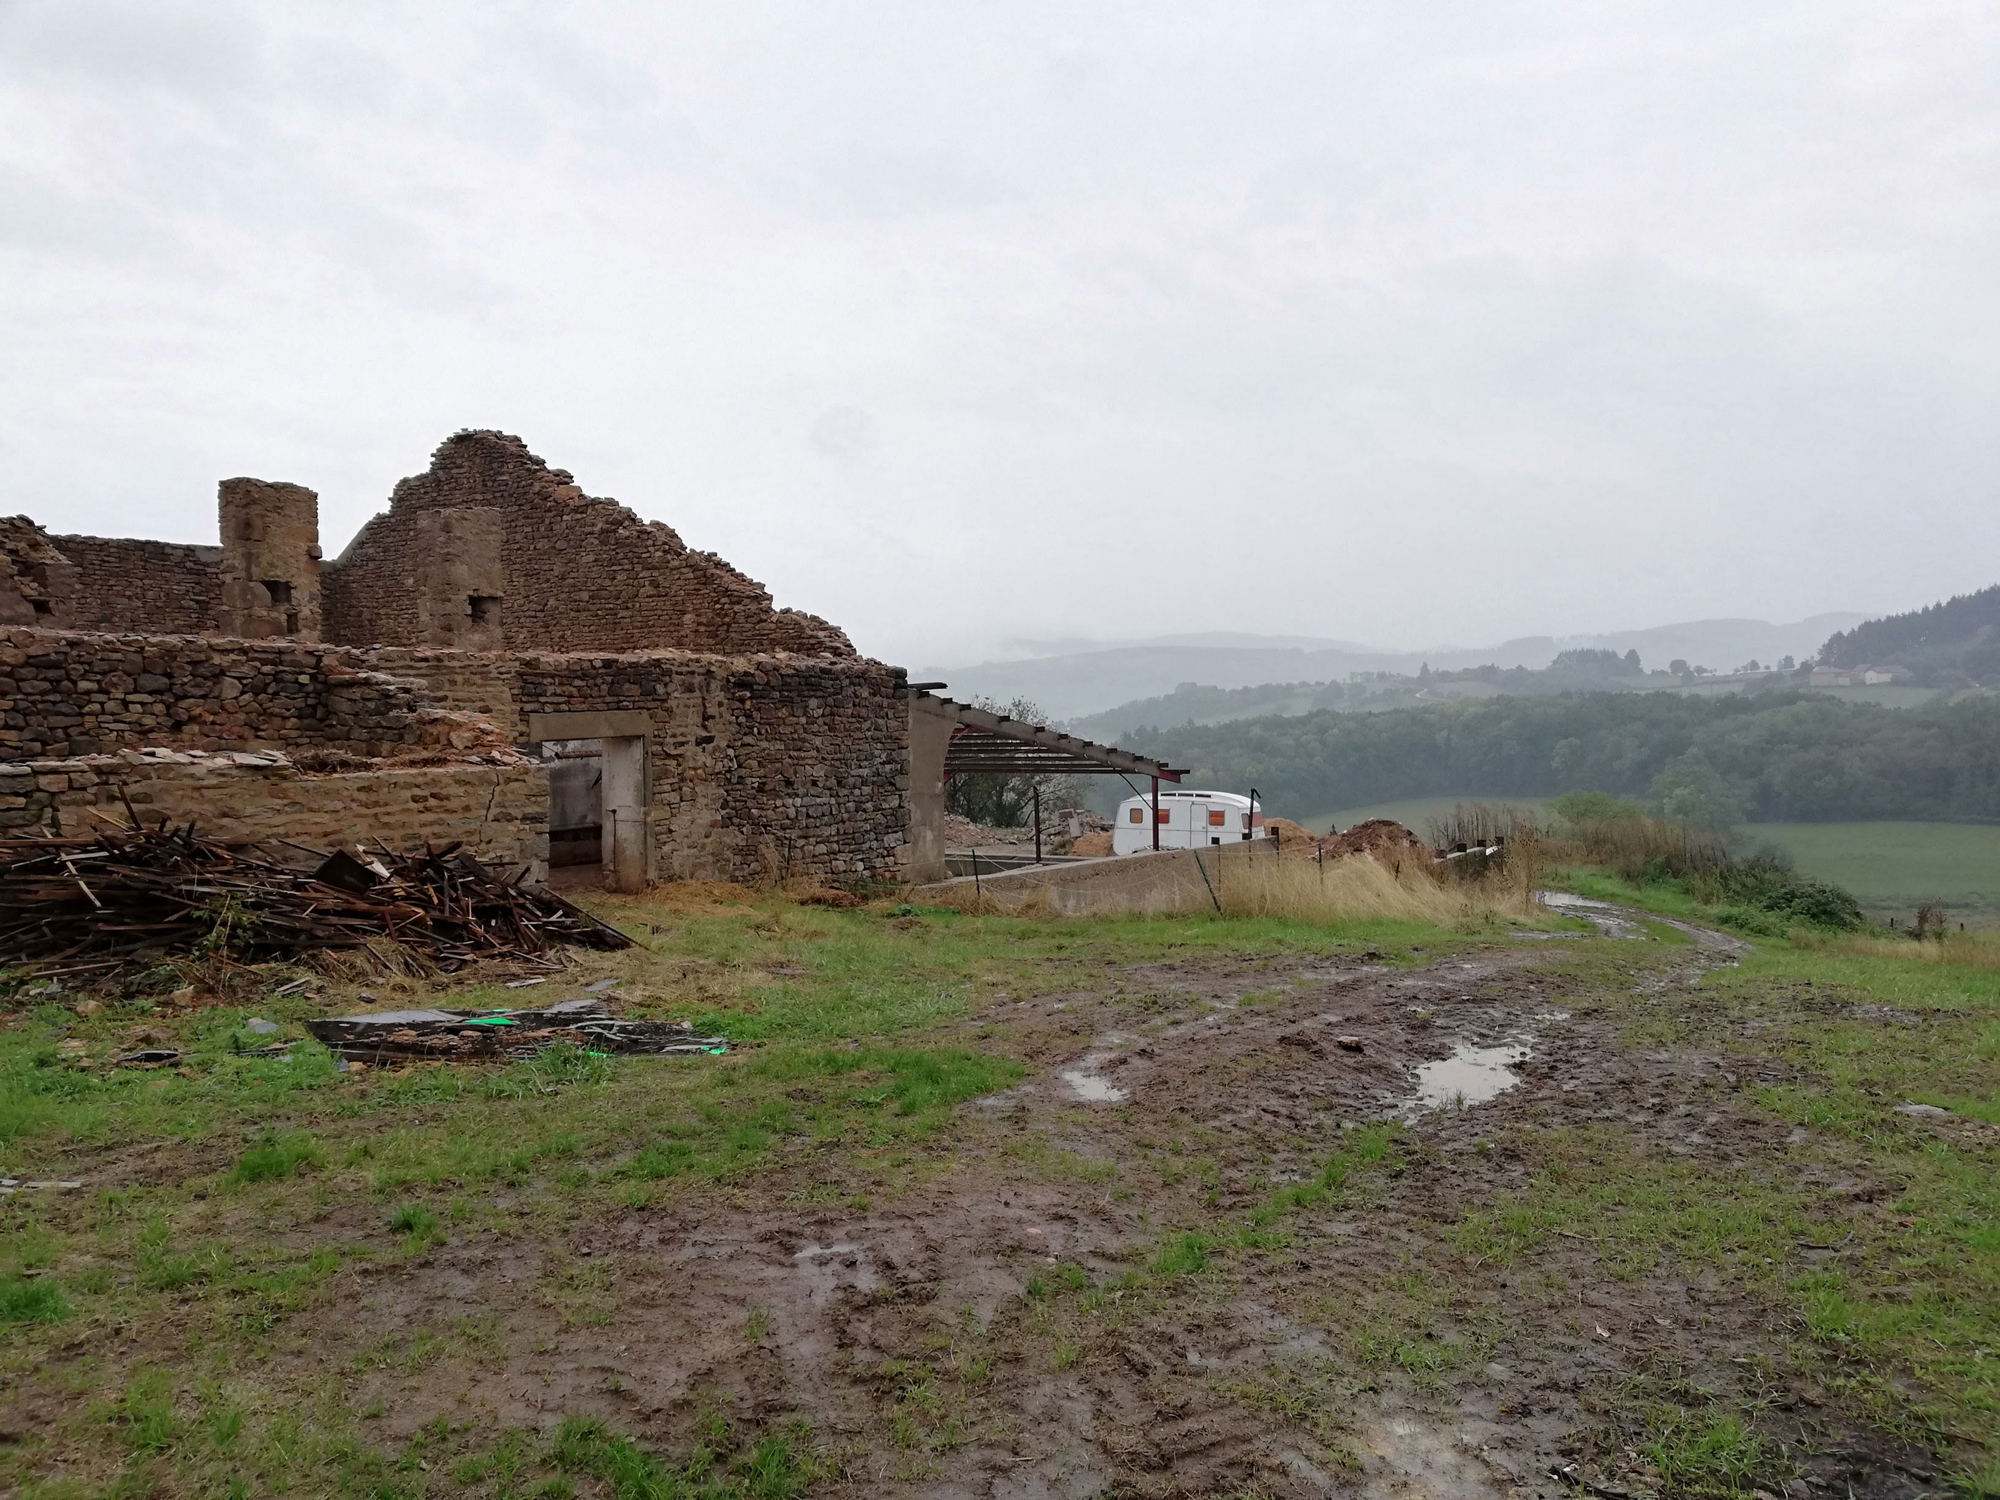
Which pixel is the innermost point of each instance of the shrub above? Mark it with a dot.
(1769, 884)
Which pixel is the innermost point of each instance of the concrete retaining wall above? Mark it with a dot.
(1173, 880)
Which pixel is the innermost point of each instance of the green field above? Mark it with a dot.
(1891, 867)
(1895, 866)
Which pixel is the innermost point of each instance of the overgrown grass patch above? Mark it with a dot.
(1899, 1284)
(231, 1205)
(275, 1157)
(38, 1301)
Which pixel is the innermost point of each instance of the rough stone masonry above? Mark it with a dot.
(492, 608)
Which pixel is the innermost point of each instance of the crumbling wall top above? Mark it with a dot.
(565, 570)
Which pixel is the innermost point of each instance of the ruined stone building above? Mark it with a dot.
(405, 690)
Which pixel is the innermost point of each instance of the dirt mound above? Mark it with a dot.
(1093, 845)
(1293, 838)
(1376, 836)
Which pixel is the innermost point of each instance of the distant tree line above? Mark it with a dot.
(1949, 644)
(1777, 756)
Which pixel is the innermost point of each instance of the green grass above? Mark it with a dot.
(1909, 1299)
(31, 1301)
(272, 1159)
(263, 1186)
(267, 1192)
(1896, 866)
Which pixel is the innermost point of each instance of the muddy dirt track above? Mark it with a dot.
(983, 1334)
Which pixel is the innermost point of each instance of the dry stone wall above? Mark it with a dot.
(760, 767)
(37, 583)
(142, 588)
(500, 811)
(492, 548)
(463, 682)
(78, 694)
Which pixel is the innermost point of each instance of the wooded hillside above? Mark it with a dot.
(1780, 757)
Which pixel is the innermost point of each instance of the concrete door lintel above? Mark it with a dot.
(624, 737)
(609, 724)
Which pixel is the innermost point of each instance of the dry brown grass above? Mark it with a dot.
(1968, 950)
(1361, 887)
(692, 895)
(1478, 823)
(1637, 847)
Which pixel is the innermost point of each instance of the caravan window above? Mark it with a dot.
(1138, 815)
(1217, 818)
(1165, 815)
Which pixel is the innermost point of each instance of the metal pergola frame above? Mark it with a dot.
(986, 743)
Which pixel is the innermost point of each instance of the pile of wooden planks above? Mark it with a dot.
(83, 905)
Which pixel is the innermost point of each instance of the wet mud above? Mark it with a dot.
(981, 1332)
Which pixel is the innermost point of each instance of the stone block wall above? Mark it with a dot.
(78, 694)
(461, 681)
(499, 811)
(142, 588)
(760, 767)
(570, 572)
(270, 560)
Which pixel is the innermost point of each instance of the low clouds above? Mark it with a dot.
(1656, 313)
(843, 433)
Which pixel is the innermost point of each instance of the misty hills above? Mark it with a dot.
(1947, 645)
(1078, 678)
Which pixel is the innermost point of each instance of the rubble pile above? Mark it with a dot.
(94, 905)
(1059, 830)
(462, 1035)
(1377, 836)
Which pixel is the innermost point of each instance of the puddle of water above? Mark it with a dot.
(1471, 1075)
(1608, 920)
(1092, 1088)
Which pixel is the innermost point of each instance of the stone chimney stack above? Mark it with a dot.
(270, 560)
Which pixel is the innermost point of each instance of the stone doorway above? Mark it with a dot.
(599, 780)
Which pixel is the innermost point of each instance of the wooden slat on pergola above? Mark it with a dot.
(983, 742)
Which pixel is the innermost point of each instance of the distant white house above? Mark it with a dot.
(1187, 820)
(1859, 676)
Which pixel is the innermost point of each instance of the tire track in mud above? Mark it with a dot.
(1169, 1096)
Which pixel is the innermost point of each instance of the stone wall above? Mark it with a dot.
(77, 694)
(37, 582)
(499, 811)
(492, 548)
(270, 560)
(462, 681)
(760, 768)
(144, 588)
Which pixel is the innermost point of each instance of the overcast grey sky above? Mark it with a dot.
(955, 323)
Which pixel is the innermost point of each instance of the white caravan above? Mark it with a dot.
(1188, 820)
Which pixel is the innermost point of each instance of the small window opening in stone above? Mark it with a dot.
(42, 606)
(279, 590)
(484, 608)
(291, 622)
